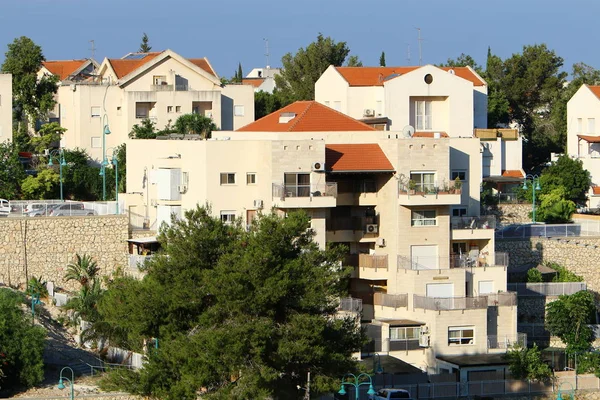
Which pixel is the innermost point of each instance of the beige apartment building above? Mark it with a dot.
(427, 278)
(5, 107)
(120, 93)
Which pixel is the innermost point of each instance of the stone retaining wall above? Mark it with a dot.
(507, 214)
(44, 246)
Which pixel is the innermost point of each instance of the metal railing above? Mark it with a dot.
(543, 230)
(346, 224)
(452, 261)
(350, 304)
(502, 299)
(373, 261)
(511, 198)
(48, 208)
(141, 222)
(450, 303)
(136, 261)
(182, 88)
(506, 341)
(479, 222)
(390, 300)
(328, 189)
(433, 188)
(547, 288)
(357, 187)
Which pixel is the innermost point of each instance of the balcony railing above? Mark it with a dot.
(357, 186)
(328, 189)
(161, 88)
(502, 299)
(452, 261)
(136, 261)
(506, 341)
(480, 222)
(390, 300)
(547, 288)
(492, 134)
(350, 304)
(373, 261)
(450, 303)
(434, 188)
(346, 224)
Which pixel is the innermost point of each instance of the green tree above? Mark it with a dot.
(464, 60)
(568, 318)
(40, 187)
(33, 98)
(145, 46)
(195, 124)
(534, 275)
(240, 74)
(567, 173)
(527, 363)
(84, 270)
(382, 59)
(11, 171)
(239, 314)
(266, 103)
(354, 61)
(146, 130)
(498, 105)
(555, 208)
(563, 274)
(21, 343)
(47, 135)
(301, 70)
(81, 179)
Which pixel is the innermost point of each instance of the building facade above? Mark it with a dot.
(6, 107)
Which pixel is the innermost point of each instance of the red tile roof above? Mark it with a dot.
(596, 190)
(595, 90)
(125, 67)
(254, 82)
(512, 173)
(204, 64)
(429, 134)
(356, 157)
(590, 139)
(306, 116)
(64, 68)
(376, 76)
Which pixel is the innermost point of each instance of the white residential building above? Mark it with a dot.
(262, 79)
(6, 109)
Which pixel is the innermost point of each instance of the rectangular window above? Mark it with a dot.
(96, 142)
(579, 125)
(238, 111)
(141, 111)
(592, 125)
(297, 184)
(178, 109)
(227, 217)
(169, 109)
(159, 79)
(459, 212)
(424, 181)
(461, 335)
(462, 175)
(459, 248)
(405, 332)
(251, 178)
(424, 218)
(95, 112)
(227, 178)
(423, 115)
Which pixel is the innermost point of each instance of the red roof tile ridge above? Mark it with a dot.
(299, 117)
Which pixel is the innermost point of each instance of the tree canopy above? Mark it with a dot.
(567, 173)
(382, 59)
(11, 171)
(301, 70)
(527, 363)
(568, 318)
(240, 314)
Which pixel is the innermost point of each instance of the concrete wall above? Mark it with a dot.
(5, 107)
(44, 246)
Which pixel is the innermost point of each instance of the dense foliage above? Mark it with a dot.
(527, 363)
(11, 171)
(568, 318)
(186, 124)
(240, 314)
(21, 344)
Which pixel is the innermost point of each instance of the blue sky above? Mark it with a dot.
(228, 32)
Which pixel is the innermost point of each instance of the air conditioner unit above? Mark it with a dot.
(182, 188)
(380, 242)
(424, 330)
(318, 166)
(372, 228)
(424, 340)
(258, 204)
(368, 112)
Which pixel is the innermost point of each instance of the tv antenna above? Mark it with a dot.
(420, 46)
(408, 131)
(93, 48)
(267, 51)
(408, 53)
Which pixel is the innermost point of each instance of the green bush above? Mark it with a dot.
(534, 275)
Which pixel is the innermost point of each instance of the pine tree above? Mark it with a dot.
(240, 74)
(382, 59)
(144, 46)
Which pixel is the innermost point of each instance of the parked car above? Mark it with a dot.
(387, 394)
(4, 208)
(38, 209)
(70, 209)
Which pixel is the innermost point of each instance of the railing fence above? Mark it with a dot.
(547, 288)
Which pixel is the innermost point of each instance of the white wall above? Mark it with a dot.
(5, 107)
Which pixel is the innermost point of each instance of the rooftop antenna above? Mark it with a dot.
(408, 53)
(93, 48)
(267, 51)
(420, 47)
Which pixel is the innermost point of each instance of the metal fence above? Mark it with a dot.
(350, 304)
(328, 189)
(390, 300)
(46, 208)
(502, 299)
(505, 342)
(452, 261)
(547, 230)
(450, 303)
(547, 288)
(481, 222)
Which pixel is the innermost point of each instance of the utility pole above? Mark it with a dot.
(267, 52)
(420, 47)
(93, 49)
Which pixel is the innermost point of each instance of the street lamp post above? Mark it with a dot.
(61, 163)
(105, 131)
(377, 362)
(535, 186)
(35, 299)
(115, 162)
(570, 391)
(71, 381)
(357, 384)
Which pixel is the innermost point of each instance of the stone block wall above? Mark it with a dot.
(507, 214)
(44, 246)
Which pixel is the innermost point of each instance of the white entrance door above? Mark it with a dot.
(424, 257)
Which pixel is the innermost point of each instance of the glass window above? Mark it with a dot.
(459, 248)
(297, 184)
(178, 109)
(461, 335)
(228, 217)
(592, 125)
(423, 115)
(251, 178)
(424, 181)
(462, 175)
(227, 178)
(169, 109)
(424, 218)
(405, 332)
(459, 212)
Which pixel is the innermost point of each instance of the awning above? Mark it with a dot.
(589, 139)
(143, 240)
(474, 360)
(401, 322)
(348, 158)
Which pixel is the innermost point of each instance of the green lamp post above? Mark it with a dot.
(357, 382)
(35, 300)
(71, 381)
(377, 368)
(60, 155)
(568, 392)
(105, 131)
(535, 186)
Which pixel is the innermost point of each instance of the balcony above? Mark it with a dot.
(161, 88)
(452, 261)
(347, 229)
(450, 303)
(350, 304)
(471, 228)
(493, 134)
(502, 299)
(390, 300)
(371, 266)
(505, 342)
(547, 288)
(361, 193)
(320, 195)
(428, 194)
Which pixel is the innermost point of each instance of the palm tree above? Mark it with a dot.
(84, 270)
(195, 124)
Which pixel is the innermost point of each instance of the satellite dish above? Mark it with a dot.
(408, 131)
(452, 71)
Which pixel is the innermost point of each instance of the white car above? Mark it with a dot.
(4, 208)
(388, 394)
